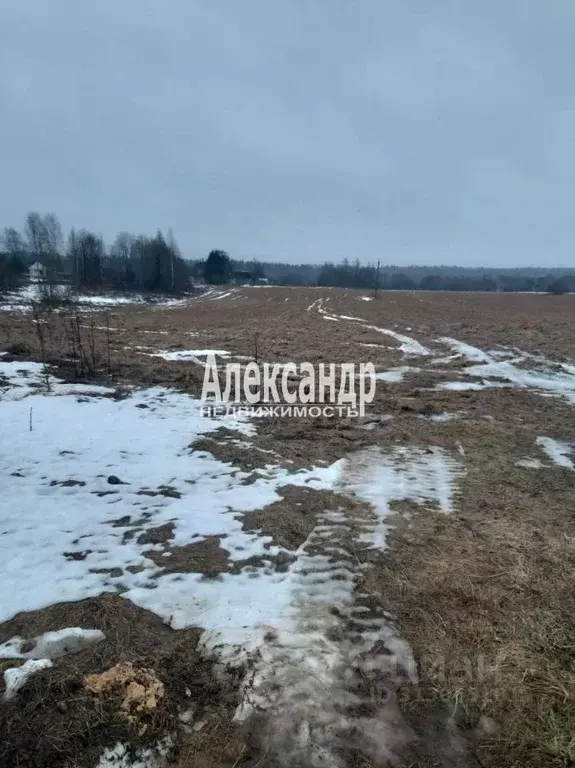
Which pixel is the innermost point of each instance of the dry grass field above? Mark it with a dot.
(394, 589)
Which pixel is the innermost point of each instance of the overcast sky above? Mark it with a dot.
(297, 130)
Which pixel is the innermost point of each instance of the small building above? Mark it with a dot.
(241, 277)
(37, 272)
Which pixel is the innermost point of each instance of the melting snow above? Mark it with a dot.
(489, 366)
(408, 345)
(190, 354)
(554, 383)
(529, 463)
(111, 301)
(415, 474)
(219, 296)
(16, 677)
(439, 417)
(122, 756)
(21, 300)
(51, 645)
(54, 538)
(473, 354)
(462, 386)
(558, 451)
(25, 378)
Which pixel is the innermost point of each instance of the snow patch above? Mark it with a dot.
(473, 354)
(462, 386)
(562, 384)
(559, 452)
(439, 417)
(52, 645)
(493, 365)
(58, 538)
(16, 678)
(415, 474)
(26, 378)
(111, 301)
(120, 756)
(529, 463)
(407, 344)
(190, 354)
(21, 300)
(289, 625)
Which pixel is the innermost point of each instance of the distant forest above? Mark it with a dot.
(136, 262)
(368, 277)
(349, 274)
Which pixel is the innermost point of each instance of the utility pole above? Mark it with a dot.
(376, 286)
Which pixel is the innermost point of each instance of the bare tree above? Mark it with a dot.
(85, 254)
(53, 235)
(45, 243)
(175, 253)
(73, 256)
(122, 246)
(12, 265)
(121, 250)
(36, 234)
(13, 242)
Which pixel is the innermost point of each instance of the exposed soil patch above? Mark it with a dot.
(168, 491)
(205, 557)
(159, 535)
(241, 456)
(291, 520)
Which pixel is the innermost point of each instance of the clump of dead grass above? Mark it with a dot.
(486, 601)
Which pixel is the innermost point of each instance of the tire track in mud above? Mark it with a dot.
(408, 345)
(323, 683)
(306, 691)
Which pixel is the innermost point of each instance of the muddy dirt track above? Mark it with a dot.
(388, 590)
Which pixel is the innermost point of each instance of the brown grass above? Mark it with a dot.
(486, 600)
(484, 596)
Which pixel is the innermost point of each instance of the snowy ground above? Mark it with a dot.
(86, 475)
(71, 446)
(501, 368)
(19, 301)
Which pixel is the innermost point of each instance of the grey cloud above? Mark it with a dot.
(299, 131)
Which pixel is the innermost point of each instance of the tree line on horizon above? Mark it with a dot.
(356, 275)
(371, 277)
(146, 264)
(132, 263)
